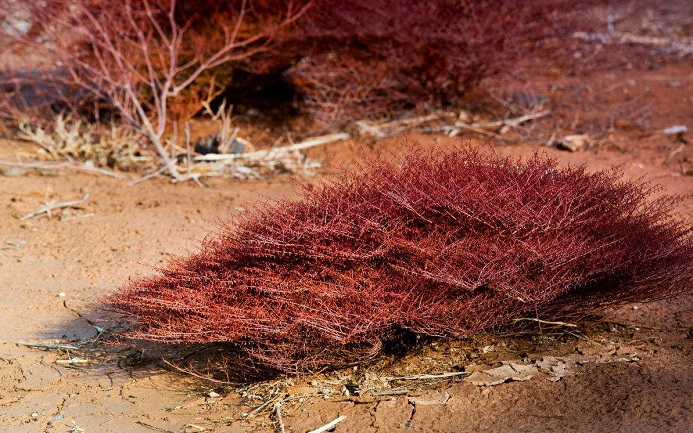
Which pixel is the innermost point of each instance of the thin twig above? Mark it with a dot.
(72, 361)
(146, 177)
(62, 205)
(199, 376)
(14, 245)
(455, 130)
(532, 319)
(680, 45)
(48, 346)
(188, 154)
(514, 121)
(396, 126)
(99, 330)
(479, 127)
(98, 170)
(371, 129)
(149, 426)
(391, 392)
(415, 121)
(329, 425)
(427, 376)
(260, 408)
(278, 416)
(55, 166)
(77, 217)
(316, 141)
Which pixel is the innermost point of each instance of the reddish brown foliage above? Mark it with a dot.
(360, 58)
(442, 245)
(347, 59)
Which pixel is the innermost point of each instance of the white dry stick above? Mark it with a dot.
(514, 121)
(427, 376)
(455, 130)
(329, 425)
(391, 392)
(98, 170)
(48, 346)
(393, 127)
(682, 46)
(370, 129)
(69, 165)
(278, 416)
(72, 361)
(480, 127)
(49, 207)
(317, 141)
(14, 245)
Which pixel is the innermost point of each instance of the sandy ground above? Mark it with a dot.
(637, 376)
(631, 371)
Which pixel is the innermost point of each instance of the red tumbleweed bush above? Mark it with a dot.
(442, 245)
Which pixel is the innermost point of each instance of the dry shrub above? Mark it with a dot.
(442, 245)
(370, 58)
(153, 62)
(150, 62)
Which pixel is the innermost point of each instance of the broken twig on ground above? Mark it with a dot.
(48, 346)
(427, 376)
(516, 121)
(152, 427)
(49, 207)
(682, 46)
(264, 405)
(72, 361)
(14, 245)
(199, 376)
(481, 127)
(390, 392)
(58, 165)
(278, 416)
(99, 330)
(532, 319)
(259, 154)
(329, 425)
(393, 127)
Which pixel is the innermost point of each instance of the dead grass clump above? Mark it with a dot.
(443, 245)
(71, 139)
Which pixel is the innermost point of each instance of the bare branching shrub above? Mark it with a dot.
(152, 62)
(441, 244)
